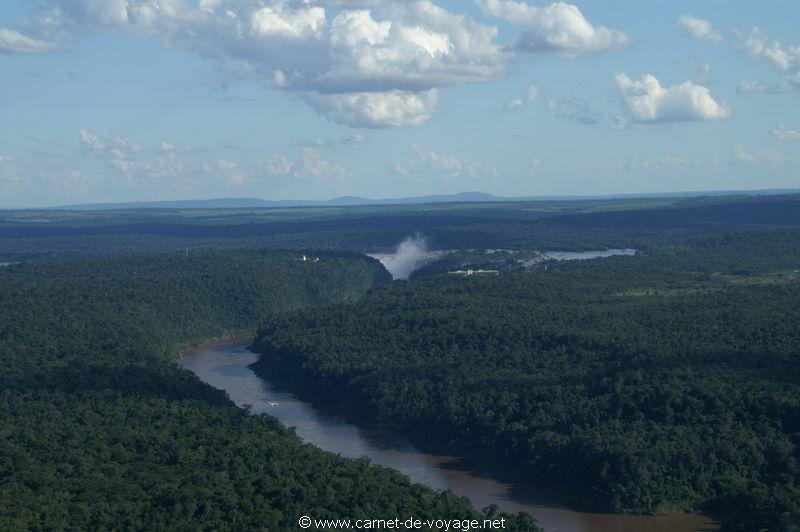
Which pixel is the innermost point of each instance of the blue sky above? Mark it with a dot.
(121, 100)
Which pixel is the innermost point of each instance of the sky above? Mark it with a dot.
(128, 100)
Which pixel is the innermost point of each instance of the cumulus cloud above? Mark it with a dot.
(699, 28)
(760, 46)
(13, 42)
(783, 58)
(781, 132)
(364, 63)
(417, 46)
(558, 28)
(647, 101)
(308, 164)
(376, 109)
(288, 23)
(427, 162)
(116, 151)
(131, 162)
(231, 171)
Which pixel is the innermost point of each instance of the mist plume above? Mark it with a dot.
(412, 253)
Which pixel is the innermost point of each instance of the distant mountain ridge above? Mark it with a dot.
(352, 201)
(245, 203)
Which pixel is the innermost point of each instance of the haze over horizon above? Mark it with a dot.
(146, 100)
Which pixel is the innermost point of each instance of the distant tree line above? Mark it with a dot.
(575, 225)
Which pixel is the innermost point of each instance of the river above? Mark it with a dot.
(225, 366)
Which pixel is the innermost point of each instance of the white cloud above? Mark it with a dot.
(573, 109)
(116, 151)
(790, 84)
(233, 172)
(752, 85)
(131, 162)
(389, 59)
(166, 147)
(278, 165)
(699, 28)
(647, 101)
(376, 109)
(765, 156)
(741, 155)
(13, 42)
(662, 164)
(417, 46)
(558, 28)
(781, 132)
(291, 23)
(427, 162)
(18, 184)
(350, 141)
(514, 105)
(308, 164)
(784, 58)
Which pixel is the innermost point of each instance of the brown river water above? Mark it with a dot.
(225, 366)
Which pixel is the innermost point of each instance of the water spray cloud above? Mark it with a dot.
(412, 253)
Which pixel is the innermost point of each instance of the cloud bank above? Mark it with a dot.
(309, 164)
(372, 68)
(647, 101)
(428, 163)
(558, 28)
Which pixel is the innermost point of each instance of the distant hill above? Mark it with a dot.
(351, 201)
(248, 203)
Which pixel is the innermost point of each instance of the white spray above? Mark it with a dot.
(412, 253)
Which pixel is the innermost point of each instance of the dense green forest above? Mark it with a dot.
(101, 430)
(668, 380)
(553, 225)
(632, 384)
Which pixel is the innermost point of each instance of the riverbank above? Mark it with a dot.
(233, 338)
(228, 367)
